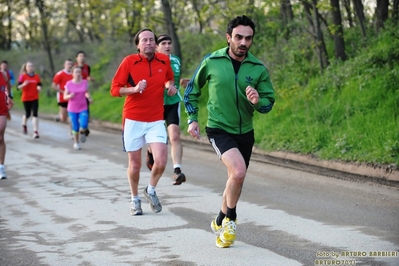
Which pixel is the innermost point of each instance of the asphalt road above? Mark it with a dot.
(66, 207)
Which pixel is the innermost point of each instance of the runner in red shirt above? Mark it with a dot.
(142, 78)
(81, 61)
(10, 77)
(30, 84)
(5, 104)
(59, 81)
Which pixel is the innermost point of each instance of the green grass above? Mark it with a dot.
(105, 107)
(349, 112)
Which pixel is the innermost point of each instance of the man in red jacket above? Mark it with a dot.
(142, 79)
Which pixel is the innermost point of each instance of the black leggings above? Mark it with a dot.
(31, 107)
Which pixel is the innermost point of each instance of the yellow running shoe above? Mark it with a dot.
(216, 228)
(228, 233)
(220, 243)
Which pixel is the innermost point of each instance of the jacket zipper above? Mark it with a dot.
(149, 65)
(238, 109)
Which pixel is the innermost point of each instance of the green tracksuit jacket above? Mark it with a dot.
(175, 63)
(228, 107)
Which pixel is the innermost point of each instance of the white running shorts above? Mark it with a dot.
(135, 134)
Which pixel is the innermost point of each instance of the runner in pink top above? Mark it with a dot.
(76, 91)
(77, 102)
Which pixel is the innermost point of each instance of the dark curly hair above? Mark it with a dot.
(240, 20)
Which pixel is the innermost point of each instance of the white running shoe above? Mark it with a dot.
(135, 208)
(3, 173)
(35, 135)
(153, 200)
(76, 146)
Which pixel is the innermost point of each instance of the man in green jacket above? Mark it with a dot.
(238, 85)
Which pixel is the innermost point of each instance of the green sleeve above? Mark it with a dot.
(266, 94)
(193, 91)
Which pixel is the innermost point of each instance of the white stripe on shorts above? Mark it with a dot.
(212, 140)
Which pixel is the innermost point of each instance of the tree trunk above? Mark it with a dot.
(44, 17)
(72, 22)
(8, 39)
(131, 20)
(133, 17)
(308, 7)
(74, 25)
(171, 28)
(324, 21)
(198, 13)
(315, 31)
(30, 38)
(289, 12)
(348, 9)
(93, 30)
(250, 8)
(381, 14)
(321, 46)
(287, 16)
(395, 11)
(2, 37)
(359, 10)
(339, 42)
(308, 13)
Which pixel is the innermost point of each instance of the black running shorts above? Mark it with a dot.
(63, 104)
(223, 141)
(171, 114)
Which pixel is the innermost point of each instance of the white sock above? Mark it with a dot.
(176, 166)
(135, 198)
(1, 165)
(150, 189)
